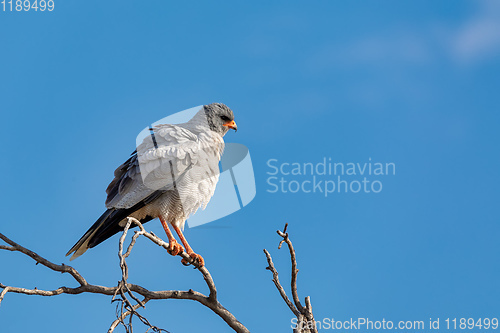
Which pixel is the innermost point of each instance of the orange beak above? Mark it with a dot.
(231, 124)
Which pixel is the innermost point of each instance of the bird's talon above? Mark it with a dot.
(197, 259)
(175, 248)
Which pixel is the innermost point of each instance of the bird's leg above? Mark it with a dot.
(189, 250)
(174, 248)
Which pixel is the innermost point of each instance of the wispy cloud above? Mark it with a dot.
(479, 37)
(380, 48)
(475, 39)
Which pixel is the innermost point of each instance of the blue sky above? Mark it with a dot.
(413, 83)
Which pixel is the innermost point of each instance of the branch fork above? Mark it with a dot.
(125, 293)
(303, 314)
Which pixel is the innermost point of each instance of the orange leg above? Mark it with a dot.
(174, 248)
(189, 250)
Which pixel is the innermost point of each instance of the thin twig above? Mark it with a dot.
(8, 248)
(295, 270)
(124, 315)
(40, 260)
(278, 284)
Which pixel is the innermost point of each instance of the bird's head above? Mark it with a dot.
(220, 118)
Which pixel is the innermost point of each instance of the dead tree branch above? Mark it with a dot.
(305, 317)
(124, 288)
(126, 294)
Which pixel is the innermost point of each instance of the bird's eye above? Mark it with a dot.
(225, 118)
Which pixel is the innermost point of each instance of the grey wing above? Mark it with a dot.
(125, 179)
(153, 167)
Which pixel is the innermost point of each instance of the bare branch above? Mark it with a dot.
(124, 315)
(309, 308)
(4, 291)
(120, 320)
(278, 284)
(303, 314)
(124, 288)
(40, 260)
(123, 265)
(8, 248)
(295, 270)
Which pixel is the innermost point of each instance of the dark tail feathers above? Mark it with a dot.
(106, 226)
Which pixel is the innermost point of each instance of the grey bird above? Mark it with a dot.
(170, 175)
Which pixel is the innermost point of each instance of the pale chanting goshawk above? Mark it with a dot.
(171, 174)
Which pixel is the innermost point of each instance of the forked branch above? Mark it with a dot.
(305, 317)
(127, 294)
(125, 290)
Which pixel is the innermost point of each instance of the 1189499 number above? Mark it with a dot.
(471, 323)
(27, 5)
